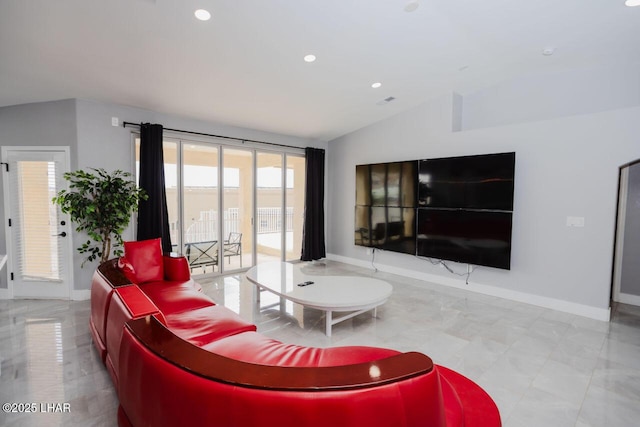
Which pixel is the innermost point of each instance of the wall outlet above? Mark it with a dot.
(369, 251)
(575, 221)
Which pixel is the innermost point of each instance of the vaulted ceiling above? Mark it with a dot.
(245, 66)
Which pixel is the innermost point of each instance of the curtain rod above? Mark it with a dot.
(125, 124)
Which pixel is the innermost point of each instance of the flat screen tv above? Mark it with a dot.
(456, 208)
(387, 228)
(469, 182)
(386, 199)
(467, 236)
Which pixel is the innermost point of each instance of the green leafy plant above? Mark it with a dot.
(101, 205)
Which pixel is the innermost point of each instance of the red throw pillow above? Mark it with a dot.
(146, 258)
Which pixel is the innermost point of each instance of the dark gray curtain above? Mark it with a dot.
(313, 246)
(153, 217)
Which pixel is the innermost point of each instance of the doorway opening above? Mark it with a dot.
(626, 268)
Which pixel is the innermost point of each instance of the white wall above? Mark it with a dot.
(555, 93)
(566, 166)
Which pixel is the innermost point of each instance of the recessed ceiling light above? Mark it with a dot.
(202, 14)
(548, 51)
(632, 3)
(309, 58)
(411, 6)
(376, 85)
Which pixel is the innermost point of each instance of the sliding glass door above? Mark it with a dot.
(280, 206)
(269, 214)
(237, 202)
(200, 207)
(232, 207)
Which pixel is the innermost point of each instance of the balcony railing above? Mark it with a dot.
(205, 228)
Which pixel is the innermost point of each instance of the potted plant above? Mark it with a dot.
(101, 204)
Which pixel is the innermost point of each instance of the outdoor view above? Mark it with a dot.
(221, 238)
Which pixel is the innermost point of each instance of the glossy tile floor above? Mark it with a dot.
(543, 368)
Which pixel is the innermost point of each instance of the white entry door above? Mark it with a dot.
(38, 233)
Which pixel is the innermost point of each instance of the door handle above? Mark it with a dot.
(63, 234)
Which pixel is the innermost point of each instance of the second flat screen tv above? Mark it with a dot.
(467, 236)
(468, 182)
(465, 209)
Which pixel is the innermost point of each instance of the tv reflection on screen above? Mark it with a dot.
(387, 184)
(387, 228)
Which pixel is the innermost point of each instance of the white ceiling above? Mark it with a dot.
(244, 67)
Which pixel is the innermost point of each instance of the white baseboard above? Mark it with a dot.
(80, 294)
(628, 299)
(540, 301)
(76, 295)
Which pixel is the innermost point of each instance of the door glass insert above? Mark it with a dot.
(237, 213)
(36, 221)
(269, 215)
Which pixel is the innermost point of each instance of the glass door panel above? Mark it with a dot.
(39, 241)
(200, 206)
(269, 199)
(237, 209)
(294, 196)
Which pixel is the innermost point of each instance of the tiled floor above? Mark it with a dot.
(543, 368)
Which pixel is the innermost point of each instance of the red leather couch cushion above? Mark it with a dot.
(207, 324)
(175, 297)
(253, 347)
(163, 285)
(145, 257)
(176, 269)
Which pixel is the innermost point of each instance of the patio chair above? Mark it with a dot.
(202, 254)
(233, 246)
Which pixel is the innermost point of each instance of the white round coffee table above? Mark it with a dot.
(352, 294)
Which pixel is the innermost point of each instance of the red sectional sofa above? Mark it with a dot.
(177, 358)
